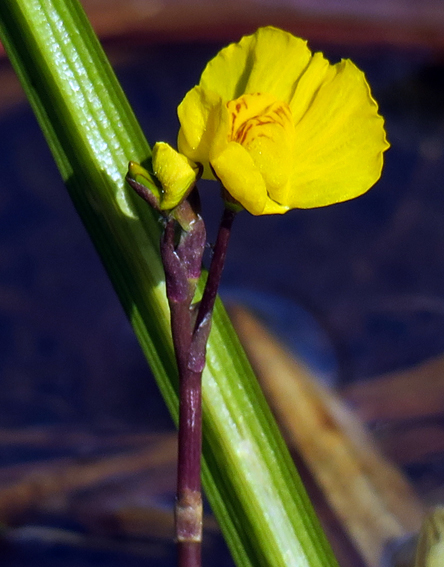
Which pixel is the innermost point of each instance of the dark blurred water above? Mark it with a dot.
(357, 289)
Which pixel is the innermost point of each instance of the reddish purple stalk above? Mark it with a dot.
(182, 263)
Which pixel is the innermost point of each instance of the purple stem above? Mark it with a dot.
(190, 347)
(202, 325)
(217, 265)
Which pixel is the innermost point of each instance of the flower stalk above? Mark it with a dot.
(182, 264)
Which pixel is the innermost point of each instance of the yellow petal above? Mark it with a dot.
(242, 179)
(200, 118)
(340, 142)
(308, 84)
(269, 61)
(175, 173)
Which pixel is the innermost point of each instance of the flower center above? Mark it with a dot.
(258, 115)
(264, 126)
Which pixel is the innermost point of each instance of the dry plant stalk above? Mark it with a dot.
(371, 497)
(42, 481)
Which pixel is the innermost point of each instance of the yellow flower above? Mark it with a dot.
(282, 128)
(175, 173)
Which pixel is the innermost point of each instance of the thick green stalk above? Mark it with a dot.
(248, 475)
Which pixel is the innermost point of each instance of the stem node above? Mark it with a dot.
(188, 516)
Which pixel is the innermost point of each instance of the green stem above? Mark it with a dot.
(248, 475)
